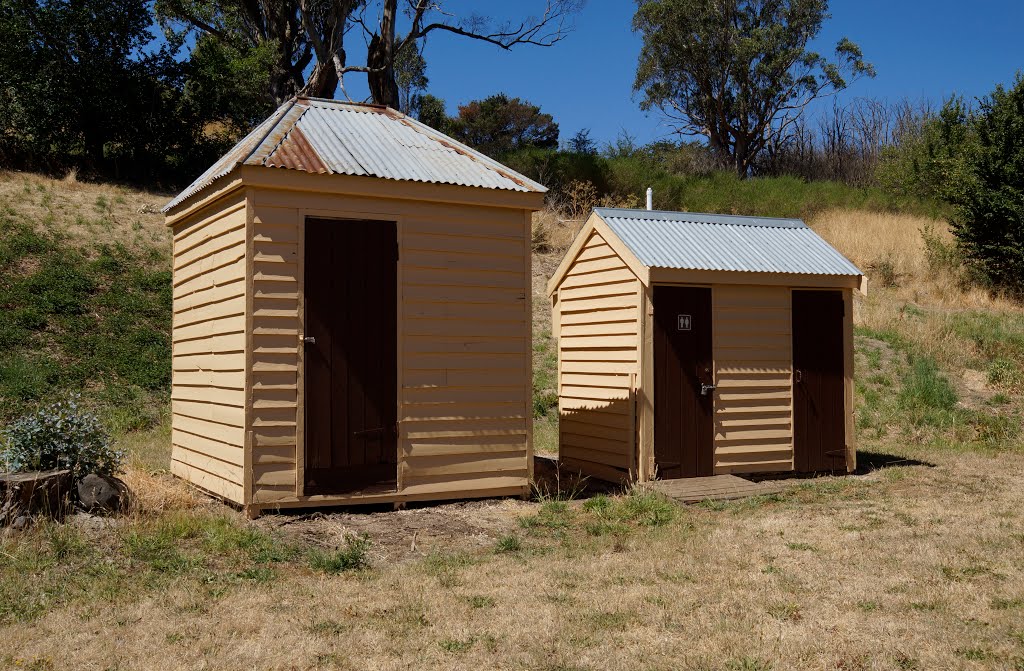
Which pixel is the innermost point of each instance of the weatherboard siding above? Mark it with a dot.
(753, 356)
(597, 324)
(464, 344)
(208, 340)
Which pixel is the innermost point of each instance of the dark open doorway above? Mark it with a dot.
(819, 417)
(683, 395)
(350, 396)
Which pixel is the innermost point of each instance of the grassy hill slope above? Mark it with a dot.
(85, 298)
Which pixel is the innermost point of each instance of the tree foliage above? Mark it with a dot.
(927, 157)
(411, 77)
(582, 143)
(80, 82)
(739, 72)
(313, 41)
(433, 112)
(83, 85)
(973, 159)
(989, 224)
(499, 124)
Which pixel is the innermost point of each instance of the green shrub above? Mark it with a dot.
(353, 557)
(927, 394)
(1005, 373)
(645, 508)
(543, 403)
(508, 544)
(989, 221)
(61, 435)
(942, 256)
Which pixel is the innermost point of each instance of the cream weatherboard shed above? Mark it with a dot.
(352, 315)
(696, 344)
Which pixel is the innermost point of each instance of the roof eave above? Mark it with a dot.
(381, 187)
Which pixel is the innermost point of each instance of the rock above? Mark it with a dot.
(27, 494)
(101, 493)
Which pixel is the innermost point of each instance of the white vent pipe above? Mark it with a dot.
(650, 198)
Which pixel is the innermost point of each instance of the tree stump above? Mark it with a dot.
(33, 493)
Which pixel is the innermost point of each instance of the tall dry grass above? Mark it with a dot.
(153, 489)
(86, 213)
(907, 293)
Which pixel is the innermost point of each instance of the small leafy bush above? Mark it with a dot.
(927, 394)
(352, 557)
(1005, 373)
(543, 403)
(60, 435)
(508, 544)
(942, 256)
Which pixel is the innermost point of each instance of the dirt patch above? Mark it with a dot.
(975, 391)
(424, 528)
(406, 535)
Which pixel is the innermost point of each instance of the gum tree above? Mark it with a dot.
(313, 44)
(738, 72)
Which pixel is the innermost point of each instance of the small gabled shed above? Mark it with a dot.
(352, 317)
(701, 344)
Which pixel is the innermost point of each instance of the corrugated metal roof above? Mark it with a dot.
(328, 136)
(723, 242)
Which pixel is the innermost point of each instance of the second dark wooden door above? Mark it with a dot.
(819, 417)
(683, 415)
(350, 356)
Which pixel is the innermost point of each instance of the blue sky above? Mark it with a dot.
(920, 49)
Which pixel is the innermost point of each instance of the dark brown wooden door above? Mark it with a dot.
(683, 415)
(350, 355)
(819, 416)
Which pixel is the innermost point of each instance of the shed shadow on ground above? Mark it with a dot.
(867, 462)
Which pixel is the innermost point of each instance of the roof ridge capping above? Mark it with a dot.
(700, 217)
(362, 140)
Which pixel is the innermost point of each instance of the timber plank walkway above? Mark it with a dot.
(712, 488)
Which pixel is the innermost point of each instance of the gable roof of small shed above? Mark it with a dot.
(716, 242)
(332, 137)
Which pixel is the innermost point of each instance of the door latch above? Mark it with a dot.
(309, 340)
(705, 388)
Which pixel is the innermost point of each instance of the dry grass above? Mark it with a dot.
(907, 567)
(891, 249)
(154, 489)
(87, 213)
(905, 293)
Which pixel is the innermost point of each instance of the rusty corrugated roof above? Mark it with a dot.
(327, 136)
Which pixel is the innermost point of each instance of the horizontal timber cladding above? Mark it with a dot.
(208, 376)
(753, 372)
(464, 350)
(597, 314)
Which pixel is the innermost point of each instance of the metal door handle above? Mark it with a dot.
(309, 340)
(799, 375)
(705, 388)
(369, 432)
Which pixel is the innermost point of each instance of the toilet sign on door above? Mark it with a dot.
(684, 322)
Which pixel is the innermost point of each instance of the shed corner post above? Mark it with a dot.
(248, 475)
(645, 388)
(848, 382)
(528, 269)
